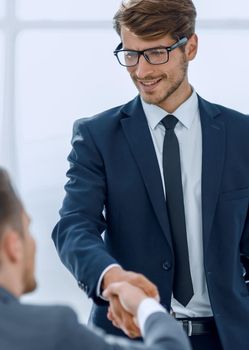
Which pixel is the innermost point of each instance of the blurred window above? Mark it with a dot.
(220, 72)
(222, 9)
(67, 9)
(2, 8)
(2, 55)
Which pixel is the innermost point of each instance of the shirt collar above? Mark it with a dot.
(185, 113)
(6, 297)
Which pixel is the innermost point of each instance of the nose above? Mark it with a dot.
(143, 68)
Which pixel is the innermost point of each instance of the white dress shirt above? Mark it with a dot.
(189, 135)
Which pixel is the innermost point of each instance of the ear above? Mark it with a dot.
(13, 245)
(191, 47)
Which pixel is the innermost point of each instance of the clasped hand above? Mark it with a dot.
(125, 291)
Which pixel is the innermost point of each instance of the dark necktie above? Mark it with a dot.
(182, 285)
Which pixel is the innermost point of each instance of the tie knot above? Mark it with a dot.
(169, 122)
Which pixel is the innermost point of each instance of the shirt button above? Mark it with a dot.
(167, 265)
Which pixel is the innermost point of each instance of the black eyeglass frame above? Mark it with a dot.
(179, 43)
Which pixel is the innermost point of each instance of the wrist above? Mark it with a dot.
(138, 303)
(145, 309)
(113, 275)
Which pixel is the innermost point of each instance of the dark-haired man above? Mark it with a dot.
(24, 327)
(171, 171)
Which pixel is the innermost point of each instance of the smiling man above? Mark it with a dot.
(169, 171)
(157, 84)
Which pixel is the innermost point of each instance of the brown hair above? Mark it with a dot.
(11, 208)
(150, 19)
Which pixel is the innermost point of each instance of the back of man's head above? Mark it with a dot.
(11, 208)
(17, 246)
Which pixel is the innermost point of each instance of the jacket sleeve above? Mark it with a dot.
(78, 234)
(161, 333)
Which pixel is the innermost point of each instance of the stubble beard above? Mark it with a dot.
(173, 86)
(29, 285)
(29, 280)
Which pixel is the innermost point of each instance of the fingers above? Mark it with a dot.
(112, 289)
(147, 286)
(129, 296)
(111, 318)
(137, 280)
(116, 310)
(143, 283)
(122, 319)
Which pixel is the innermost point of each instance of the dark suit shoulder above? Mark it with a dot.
(106, 117)
(219, 109)
(237, 126)
(103, 126)
(234, 120)
(233, 114)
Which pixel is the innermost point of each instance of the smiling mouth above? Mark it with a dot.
(149, 83)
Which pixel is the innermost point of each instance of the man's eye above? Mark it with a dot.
(157, 53)
(130, 54)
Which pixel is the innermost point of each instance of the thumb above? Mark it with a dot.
(112, 289)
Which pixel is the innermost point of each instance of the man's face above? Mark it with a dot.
(158, 84)
(28, 259)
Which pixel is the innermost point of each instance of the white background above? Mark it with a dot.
(59, 67)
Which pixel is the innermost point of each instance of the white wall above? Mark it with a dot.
(1, 75)
(63, 69)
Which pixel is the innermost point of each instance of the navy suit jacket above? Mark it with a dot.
(113, 166)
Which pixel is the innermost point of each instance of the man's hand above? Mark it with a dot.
(121, 312)
(117, 274)
(129, 296)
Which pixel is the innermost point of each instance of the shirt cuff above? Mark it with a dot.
(98, 289)
(146, 308)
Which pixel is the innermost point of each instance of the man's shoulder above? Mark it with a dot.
(225, 110)
(39, 314)
(50, 312)
(26, 326)
(110, 116)
(233, 113)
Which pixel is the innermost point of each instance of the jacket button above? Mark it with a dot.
(167, 265)
(81, 285)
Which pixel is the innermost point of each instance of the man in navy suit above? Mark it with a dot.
(27, 326)
(189, 237)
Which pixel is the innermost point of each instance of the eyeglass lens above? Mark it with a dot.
(154, 56)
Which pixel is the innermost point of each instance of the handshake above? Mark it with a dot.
(125, 291)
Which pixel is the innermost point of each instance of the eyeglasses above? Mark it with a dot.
(154, 55)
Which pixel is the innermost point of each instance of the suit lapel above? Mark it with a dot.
(213, 151)
(138, 135)
(137, 132)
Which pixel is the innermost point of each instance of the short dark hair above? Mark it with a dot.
(150, 19)
(11, 208)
